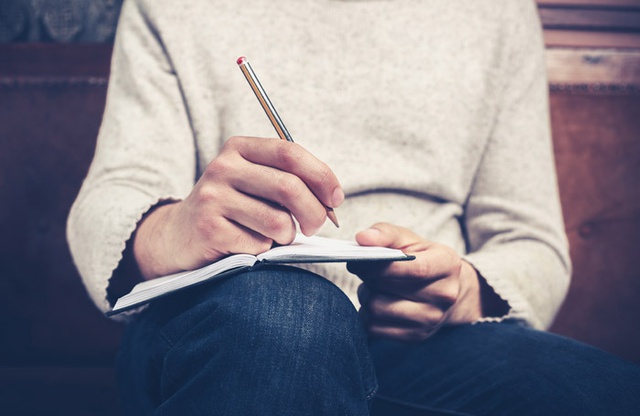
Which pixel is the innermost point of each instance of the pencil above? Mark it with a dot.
(275, 119)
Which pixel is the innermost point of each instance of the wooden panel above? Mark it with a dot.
(590, 19)
(595, 103)
(593, 66)
(591, 3)
(598, 160)
(594, 23)
(587, 39)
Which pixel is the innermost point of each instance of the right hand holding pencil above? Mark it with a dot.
(245, 200)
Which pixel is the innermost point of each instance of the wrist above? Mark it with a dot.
(149, 242)
(468, 307)
(477, 298)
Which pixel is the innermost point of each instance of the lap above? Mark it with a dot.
(502, 368)
(270, 341)
(295, 324)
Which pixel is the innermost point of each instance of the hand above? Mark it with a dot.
(245, 200)
(411, 300)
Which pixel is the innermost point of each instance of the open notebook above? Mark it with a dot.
(302, 250)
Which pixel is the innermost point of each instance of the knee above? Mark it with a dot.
(288, 309)
(271, 315)
(270, 333)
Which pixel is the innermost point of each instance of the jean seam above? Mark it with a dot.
(422, 407)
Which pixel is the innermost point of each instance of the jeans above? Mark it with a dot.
(282, 341)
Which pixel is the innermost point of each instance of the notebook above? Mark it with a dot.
(302, 250)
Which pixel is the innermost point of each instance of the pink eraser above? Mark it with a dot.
(241, 60)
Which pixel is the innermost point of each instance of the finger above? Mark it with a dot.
(244, 240)
(383, 308)
(213, 202)
(394, 327)
(406, 334)
(293, 158)
(388, 235)
(286, 190)
(267, 219)
(219, 237)
(411, 289)
(366, 270)
(380, 234)
(442, 293)
(433, 262)
(402, 329)
(399, 322)
(363, 294)
(384, 272)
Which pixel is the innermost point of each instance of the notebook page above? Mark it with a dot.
(320, 248)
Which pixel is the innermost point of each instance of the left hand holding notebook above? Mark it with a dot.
(245, 200)
(412, 300)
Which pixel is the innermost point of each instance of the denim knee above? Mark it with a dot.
(292, 308)
(279, 335)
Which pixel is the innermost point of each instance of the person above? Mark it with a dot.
(425, 125)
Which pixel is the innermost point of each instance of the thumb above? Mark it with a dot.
(382, 235)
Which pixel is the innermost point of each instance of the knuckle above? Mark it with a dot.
(279, 225)
(289, 154)
(449, 258)
(207, 226)
(243, 242)
(372, 306)
(206, 194)
(378, 308)
(449, 299)
(257, 246)
(221, 166)
(232, 143)
(434, 318)
(455, 261)
(279, 222)
(289, 188)
(448, 292)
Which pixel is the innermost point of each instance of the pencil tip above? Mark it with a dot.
(332, 216)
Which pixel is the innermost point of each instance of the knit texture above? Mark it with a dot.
(433, 115)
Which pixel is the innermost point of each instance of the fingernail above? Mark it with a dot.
(338, 197)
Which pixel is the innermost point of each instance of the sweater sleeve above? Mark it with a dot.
(513, 217)
(144, 153)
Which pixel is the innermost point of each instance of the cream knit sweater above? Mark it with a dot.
(433, 114)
